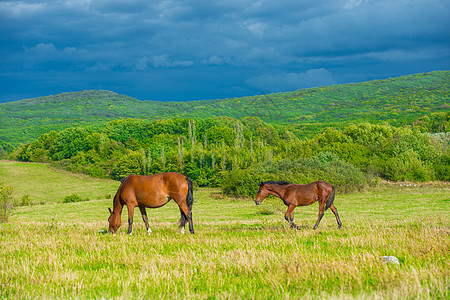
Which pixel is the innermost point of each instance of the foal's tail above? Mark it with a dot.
(189, 202)
(330, 199)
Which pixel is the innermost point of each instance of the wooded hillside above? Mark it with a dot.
(395, 101)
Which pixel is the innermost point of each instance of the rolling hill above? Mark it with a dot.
(396, 101)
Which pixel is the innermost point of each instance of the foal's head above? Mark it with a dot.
(264, 188)
(261, 194)
(114, 221)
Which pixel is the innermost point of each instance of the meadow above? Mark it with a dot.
(53, 249)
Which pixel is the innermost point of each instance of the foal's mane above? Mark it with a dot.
(281, 182)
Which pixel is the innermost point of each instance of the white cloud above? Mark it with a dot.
(142, 63)
(291, 81)
(256, 28)
(164, 61)
(20, 8)
(216, 60)
(349, 4)
(396, 55)
(48, 52)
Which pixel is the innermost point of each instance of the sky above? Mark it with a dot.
(184, 50)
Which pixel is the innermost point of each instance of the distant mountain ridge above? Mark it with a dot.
(397, 101)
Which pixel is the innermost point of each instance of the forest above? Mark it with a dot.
(234, 154)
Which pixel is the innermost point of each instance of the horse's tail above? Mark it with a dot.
(189, 202)
(190, 194)
(330, 199)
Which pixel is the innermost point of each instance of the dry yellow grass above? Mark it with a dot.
(57, 251)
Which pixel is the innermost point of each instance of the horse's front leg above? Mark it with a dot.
(145, 218)
(289, 216)
(130, 217)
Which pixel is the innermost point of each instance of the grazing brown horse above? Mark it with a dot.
(152, 191)
(294, 195)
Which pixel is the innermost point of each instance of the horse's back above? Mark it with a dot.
(154, 190)
(310, 192)
(175, 181)
(323, 188)
(319, 184)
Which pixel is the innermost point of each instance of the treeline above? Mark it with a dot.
(235, 154)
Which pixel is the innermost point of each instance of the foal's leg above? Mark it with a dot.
(289, 216)
(130, 218)
(321, 212)
(334, 210)
(144, 217)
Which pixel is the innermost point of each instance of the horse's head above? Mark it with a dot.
(114, 221)
(261, 194)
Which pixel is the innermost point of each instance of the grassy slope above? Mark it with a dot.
(397, 101)
(44, 184)
(56, 250)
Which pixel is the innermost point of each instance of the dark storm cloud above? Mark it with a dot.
(198, 49)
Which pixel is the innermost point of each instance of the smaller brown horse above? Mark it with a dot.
(152, 191)
(294, 195)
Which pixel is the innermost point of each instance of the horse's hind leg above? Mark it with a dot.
(186, 214)
(334, 210)
(321, 212)
(145, 218)
(183, 220)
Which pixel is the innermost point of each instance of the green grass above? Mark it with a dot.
(239, 250)
(45, 184)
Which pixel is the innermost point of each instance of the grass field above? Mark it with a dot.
(239, 250)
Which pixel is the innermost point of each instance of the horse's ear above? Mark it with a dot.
(261, 184)
(110, 210)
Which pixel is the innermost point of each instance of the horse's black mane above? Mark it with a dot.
(281, 182)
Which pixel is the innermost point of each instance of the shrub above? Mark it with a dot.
(408, 166)
(242, 183)
(7, 202)
(74, 198)
(26, 200)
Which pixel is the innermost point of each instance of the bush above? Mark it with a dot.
(242, 183)
(74, 198)
(408, 166)
(7, 202)
(26, 200)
